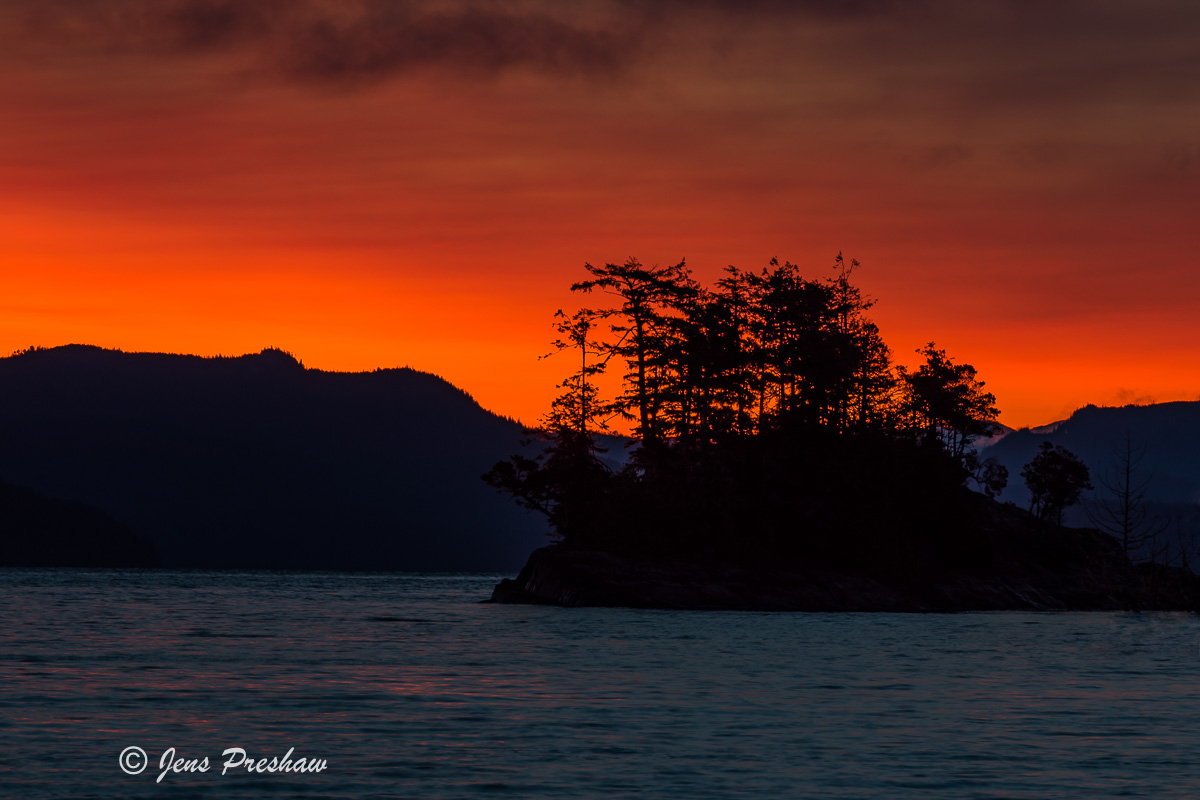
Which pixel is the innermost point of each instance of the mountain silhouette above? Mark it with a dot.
(1167, 433)
(257, 462)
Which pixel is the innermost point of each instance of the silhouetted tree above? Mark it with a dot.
(566, 481)
(737, 368)
(1187, 543)
(646, 296)
(522, 478)
(1122, 510)
(578, 408)
(989, 474)
(946, 401)
(798, 321)
(1056, 479)
(865, 381)
(767, 401)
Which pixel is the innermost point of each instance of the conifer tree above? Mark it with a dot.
(946, 401)
(640, 323)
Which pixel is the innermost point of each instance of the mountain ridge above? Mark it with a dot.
(256, 461)
(1168, 433)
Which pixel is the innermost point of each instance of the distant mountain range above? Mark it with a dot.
(1167, 433)
(258, 462)
(999, 431)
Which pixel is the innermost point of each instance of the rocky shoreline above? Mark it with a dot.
(1093, 576)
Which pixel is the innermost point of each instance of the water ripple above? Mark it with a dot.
(411, 688)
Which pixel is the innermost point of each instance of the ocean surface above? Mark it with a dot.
(408, 687)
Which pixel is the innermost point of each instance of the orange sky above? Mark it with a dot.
(417, 183)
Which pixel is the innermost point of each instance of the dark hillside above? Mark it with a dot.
(1168, 433)
(36, 531)
(255, 461)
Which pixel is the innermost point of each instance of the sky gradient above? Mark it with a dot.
(375, 184)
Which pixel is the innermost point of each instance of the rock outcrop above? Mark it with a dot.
(1051, 569)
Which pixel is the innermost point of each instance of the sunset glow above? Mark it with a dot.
(212, 177)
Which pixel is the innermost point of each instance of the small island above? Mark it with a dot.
(781, 461)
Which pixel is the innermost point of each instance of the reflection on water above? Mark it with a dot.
(409, 687)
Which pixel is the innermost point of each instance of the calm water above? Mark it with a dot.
(408, 687)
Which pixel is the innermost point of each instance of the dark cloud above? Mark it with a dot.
(733, 9)
(923, 53)
(343, 41)
(390, 39)
(169, 26)
(212, 24)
